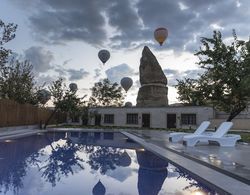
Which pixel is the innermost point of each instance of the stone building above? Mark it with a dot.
(151, 117)
(165, 117)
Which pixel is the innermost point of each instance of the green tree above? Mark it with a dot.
(65, 100)
(62, 161)
(7, 33)
(18, 83)
(225, 82)
(189, 92)
(16, 78)
(105, 93)
(57, 90)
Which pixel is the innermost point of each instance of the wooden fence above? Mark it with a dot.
(14, 114)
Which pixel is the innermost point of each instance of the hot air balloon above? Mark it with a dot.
(126, 83)
(124, 159)
(104, 55)
(43, 96)
(128, 104)
(161, 35)
(99, 189)
(73, 87)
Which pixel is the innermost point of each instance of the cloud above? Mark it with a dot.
(40, 58)
(123, 16)
(74, 20)
(71, 74)
(120, 173)
(170, 72)
(62, 72)
(194, 74)
(45, 79)
(75, 75)
(66, 62)
(84, 90)
(116, 73)
(137, 84)
(133, 22)
(97, 73)
(173, 75)
(32, 182)
(135, 87)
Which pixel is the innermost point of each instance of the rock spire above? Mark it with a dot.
(153, 90)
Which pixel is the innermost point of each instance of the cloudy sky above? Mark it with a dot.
(62, 37)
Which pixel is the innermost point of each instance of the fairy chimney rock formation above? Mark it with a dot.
(153, 91)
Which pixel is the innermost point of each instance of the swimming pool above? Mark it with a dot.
(88, 163)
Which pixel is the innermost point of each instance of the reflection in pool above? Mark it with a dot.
(88, 163)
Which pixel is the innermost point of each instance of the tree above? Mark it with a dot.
(62, 161)
(225, 82)
(16, 78)
(189, 92)
(65, 100)
(57, 90)
(17, 83)
(105, 93)
(7, 34)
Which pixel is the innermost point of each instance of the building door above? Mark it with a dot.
(98, 120)
(171, 121)
(146, 120)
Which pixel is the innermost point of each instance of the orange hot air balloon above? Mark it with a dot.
(161, 35)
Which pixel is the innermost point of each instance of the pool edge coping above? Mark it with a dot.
(212, 182)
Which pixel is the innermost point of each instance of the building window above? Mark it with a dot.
(132, 118)
(109, 118)
(188, 119)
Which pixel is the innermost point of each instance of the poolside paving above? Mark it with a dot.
(13, 132)
(229, 161)
(232, 160)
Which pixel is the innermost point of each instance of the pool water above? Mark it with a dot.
(87, 163)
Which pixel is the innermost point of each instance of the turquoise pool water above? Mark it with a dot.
(88, 163)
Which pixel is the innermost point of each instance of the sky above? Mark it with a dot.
(62, 38)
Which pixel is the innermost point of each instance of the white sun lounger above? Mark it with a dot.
(178, 136)
(218, 136)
